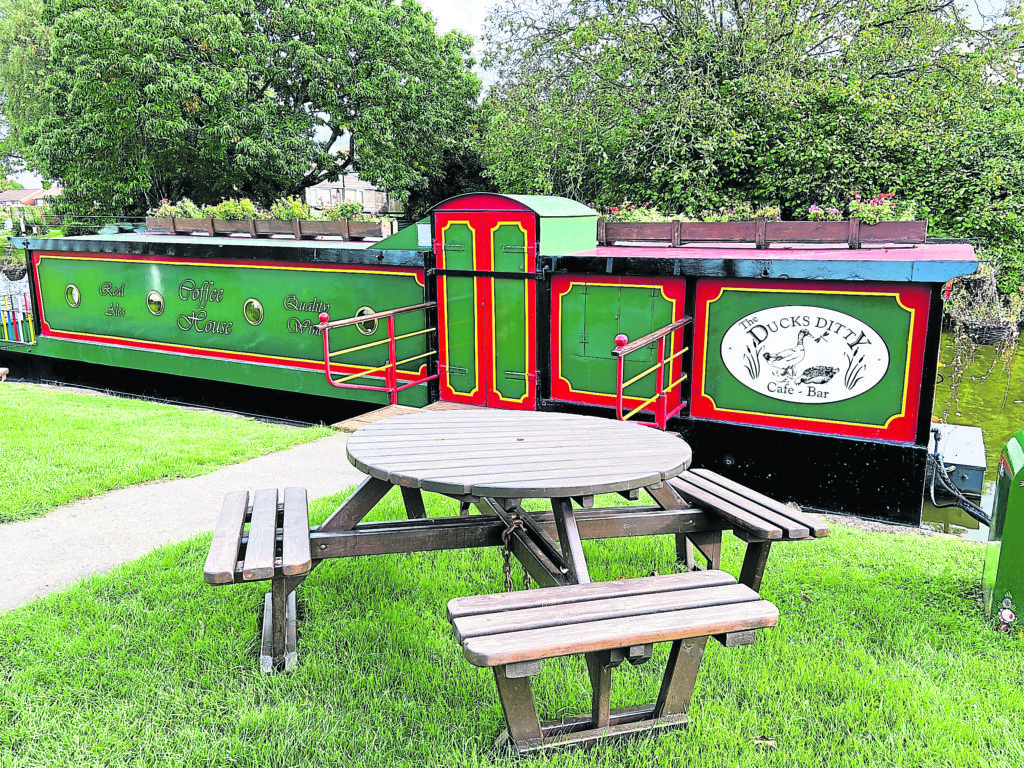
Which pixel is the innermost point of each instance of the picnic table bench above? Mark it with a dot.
(493, 460)
(609, 622)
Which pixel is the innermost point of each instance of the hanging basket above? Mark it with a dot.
(989, 332)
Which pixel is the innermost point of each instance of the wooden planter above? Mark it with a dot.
(344, 229)
(763, 233)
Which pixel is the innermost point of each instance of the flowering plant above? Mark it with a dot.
(350, 209)
(817, 213)
(289, 208)
(184, 209)
(628, 211)
(235, 210)
(882, 207)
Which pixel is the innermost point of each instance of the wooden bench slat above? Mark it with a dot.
(259, 552)
(534, 644)
(579, 615)
(790, 529)
(223, 556)
(575, 593)
(731, 512)
(818, 528)
(295, 553)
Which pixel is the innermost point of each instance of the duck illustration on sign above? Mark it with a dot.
(805, 354)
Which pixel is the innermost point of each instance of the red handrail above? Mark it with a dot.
(388, 371)
(624, 347)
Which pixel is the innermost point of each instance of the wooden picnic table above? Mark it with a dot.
(495, 459)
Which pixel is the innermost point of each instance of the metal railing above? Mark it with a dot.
(393, 381)
(16, 321)
(659, 401)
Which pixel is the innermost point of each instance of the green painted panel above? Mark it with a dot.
(508, 247)
(461, 334)
(839, 357)
(457, 239)
(266, 376)
(406, 239)
(268, 311)
(559, 237)
(552, 206)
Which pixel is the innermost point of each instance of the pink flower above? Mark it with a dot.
(814, 209)
(834, 212)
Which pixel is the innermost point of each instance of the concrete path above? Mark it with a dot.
(47, 553)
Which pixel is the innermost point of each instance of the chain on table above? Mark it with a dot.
(506, 554)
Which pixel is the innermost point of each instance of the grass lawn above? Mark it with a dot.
(59, 446)
(882, 658)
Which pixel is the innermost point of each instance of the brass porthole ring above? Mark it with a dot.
(252, 311)
(155, 303)
(72, 295)
(370, 326)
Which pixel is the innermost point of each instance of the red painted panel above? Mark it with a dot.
(674, 289)
(899, 428)
(481, 202)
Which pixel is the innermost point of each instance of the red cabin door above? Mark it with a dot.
(486, 311)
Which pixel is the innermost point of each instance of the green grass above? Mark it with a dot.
(59, 446)
(881, 658)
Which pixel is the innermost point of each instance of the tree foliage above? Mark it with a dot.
(691, 104)
(145, 99)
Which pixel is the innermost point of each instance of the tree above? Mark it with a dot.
(148, 99)
(690, 103)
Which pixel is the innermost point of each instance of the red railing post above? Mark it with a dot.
(660, 407)
(392, 373)
(620, 341)
(324, 319)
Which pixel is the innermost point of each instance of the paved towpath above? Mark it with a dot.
(94, 535)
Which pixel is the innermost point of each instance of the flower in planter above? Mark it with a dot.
(817, 213)
(350, 209)
(289, 209)
(236, 210)
(884, 206)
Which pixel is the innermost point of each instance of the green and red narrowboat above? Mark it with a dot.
(800, 356)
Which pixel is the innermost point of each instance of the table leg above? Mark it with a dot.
(413, 500)
(356, 506)
(754, 561)
(569, 540)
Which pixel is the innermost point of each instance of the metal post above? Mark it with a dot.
(391, 374)
(660, 408)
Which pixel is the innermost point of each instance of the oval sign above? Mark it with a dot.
(804, 354)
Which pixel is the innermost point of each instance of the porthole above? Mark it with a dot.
(155, 303)
(369, 327)
(73, 295)
(252, 310)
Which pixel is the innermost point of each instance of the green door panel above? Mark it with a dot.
(458, 245)
(508, 248)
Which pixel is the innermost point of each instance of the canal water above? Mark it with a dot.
(981, 386)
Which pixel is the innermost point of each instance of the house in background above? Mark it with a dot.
(351, 187)
(16, 198)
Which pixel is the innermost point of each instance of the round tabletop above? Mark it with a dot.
(516, 454)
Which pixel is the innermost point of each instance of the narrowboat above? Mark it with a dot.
(798, 356)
